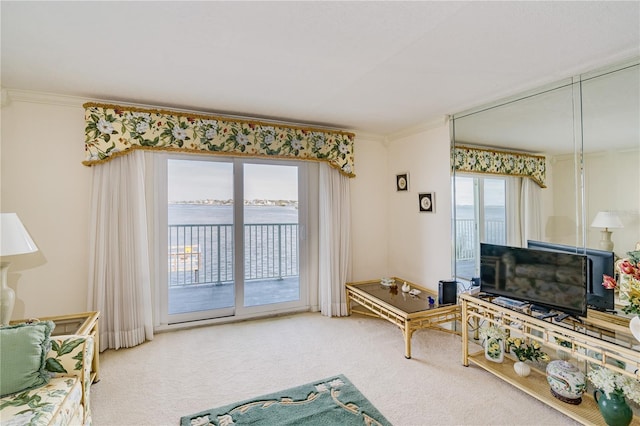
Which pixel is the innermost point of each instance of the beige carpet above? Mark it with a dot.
(187, 371)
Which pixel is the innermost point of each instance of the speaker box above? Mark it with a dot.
(447, 292)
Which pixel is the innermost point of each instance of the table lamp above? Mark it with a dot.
(14, 240)
(606, 220)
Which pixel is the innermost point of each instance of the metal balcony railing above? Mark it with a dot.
(466, 244)
(203, 254)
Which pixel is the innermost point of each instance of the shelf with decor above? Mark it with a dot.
(588, 344)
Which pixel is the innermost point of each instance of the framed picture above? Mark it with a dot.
(402, 182)
(427, 202)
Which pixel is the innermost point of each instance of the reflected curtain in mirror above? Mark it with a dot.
(505, 163)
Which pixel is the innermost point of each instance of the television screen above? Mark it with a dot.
(601, 262)
(553, 280)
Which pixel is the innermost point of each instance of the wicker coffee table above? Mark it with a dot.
(408, 312)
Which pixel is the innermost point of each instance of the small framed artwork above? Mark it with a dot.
(427, 202)
(402, 182)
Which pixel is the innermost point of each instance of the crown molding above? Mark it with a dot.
(19, 95)
(374, 137)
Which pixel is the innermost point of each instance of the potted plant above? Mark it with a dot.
(525, 351)
(494, 338)
(610, 393)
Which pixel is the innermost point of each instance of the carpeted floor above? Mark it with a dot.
(188, 371)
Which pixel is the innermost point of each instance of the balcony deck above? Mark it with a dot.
(201, 297)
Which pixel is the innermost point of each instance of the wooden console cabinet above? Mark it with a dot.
(594, 341)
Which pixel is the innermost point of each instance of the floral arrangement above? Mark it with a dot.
(526, 351)
(609, 382)
(492, 332)
(609, 282)
(630, 278)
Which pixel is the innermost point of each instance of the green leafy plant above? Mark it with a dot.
(526, 351)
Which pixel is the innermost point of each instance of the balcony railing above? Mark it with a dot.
(466, 244)
(203, 254)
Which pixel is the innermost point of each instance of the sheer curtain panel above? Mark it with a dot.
(524, 207)
(334, 241)
(119, 267)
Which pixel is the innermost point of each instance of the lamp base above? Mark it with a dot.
(605, 240)
(7, 297)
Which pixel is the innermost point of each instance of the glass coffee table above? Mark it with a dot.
(408, 312)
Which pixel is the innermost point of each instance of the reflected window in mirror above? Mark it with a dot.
(492, 209)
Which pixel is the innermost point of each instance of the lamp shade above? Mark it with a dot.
(607, 220)
(14, 238)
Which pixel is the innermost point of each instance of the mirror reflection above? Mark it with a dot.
(588, 130)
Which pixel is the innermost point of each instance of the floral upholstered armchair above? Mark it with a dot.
(46, 380)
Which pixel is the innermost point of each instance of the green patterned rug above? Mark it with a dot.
(333, 401)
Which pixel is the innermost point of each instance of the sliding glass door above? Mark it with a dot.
(233, 238)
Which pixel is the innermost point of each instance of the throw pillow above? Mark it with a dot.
(23, 350)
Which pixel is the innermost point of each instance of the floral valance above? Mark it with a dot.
(479, 160)
(113, 130)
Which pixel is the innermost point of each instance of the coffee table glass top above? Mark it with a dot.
(397, 298)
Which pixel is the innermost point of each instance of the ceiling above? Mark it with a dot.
(373, 67)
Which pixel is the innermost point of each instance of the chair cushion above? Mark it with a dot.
(23, 350)
(57, 403)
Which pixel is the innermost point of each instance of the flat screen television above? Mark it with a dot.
(551, 279)
(600, 262)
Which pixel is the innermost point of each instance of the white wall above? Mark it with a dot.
(420, 244)
(612, 182)
(370, 210)
(42, 179)
(44, 182)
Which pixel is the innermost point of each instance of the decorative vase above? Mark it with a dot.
(567, 382)
(522, 369)
(614, 408)
(494, 349)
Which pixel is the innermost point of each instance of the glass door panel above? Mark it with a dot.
(466, 226)
(494, 211)
(200, 239)
(480, 208)
(271, 234)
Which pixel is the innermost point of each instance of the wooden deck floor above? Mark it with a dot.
(194, 298)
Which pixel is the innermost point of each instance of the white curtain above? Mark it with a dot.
(119, 265)
(334, 241)
(523, 210)
(531, 208)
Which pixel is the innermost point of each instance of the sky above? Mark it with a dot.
(191, 180)
(493, 194)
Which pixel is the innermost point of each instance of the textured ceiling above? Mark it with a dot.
(374, 67)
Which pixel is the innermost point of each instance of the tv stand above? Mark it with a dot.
(598, 333)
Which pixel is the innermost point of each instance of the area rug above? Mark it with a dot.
(332, 401)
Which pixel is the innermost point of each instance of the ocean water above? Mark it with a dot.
(198, 214)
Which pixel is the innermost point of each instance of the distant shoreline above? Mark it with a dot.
(210, 202)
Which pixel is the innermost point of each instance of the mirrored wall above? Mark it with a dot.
(587, 128)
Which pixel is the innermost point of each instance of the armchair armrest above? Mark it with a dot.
(71, 355)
